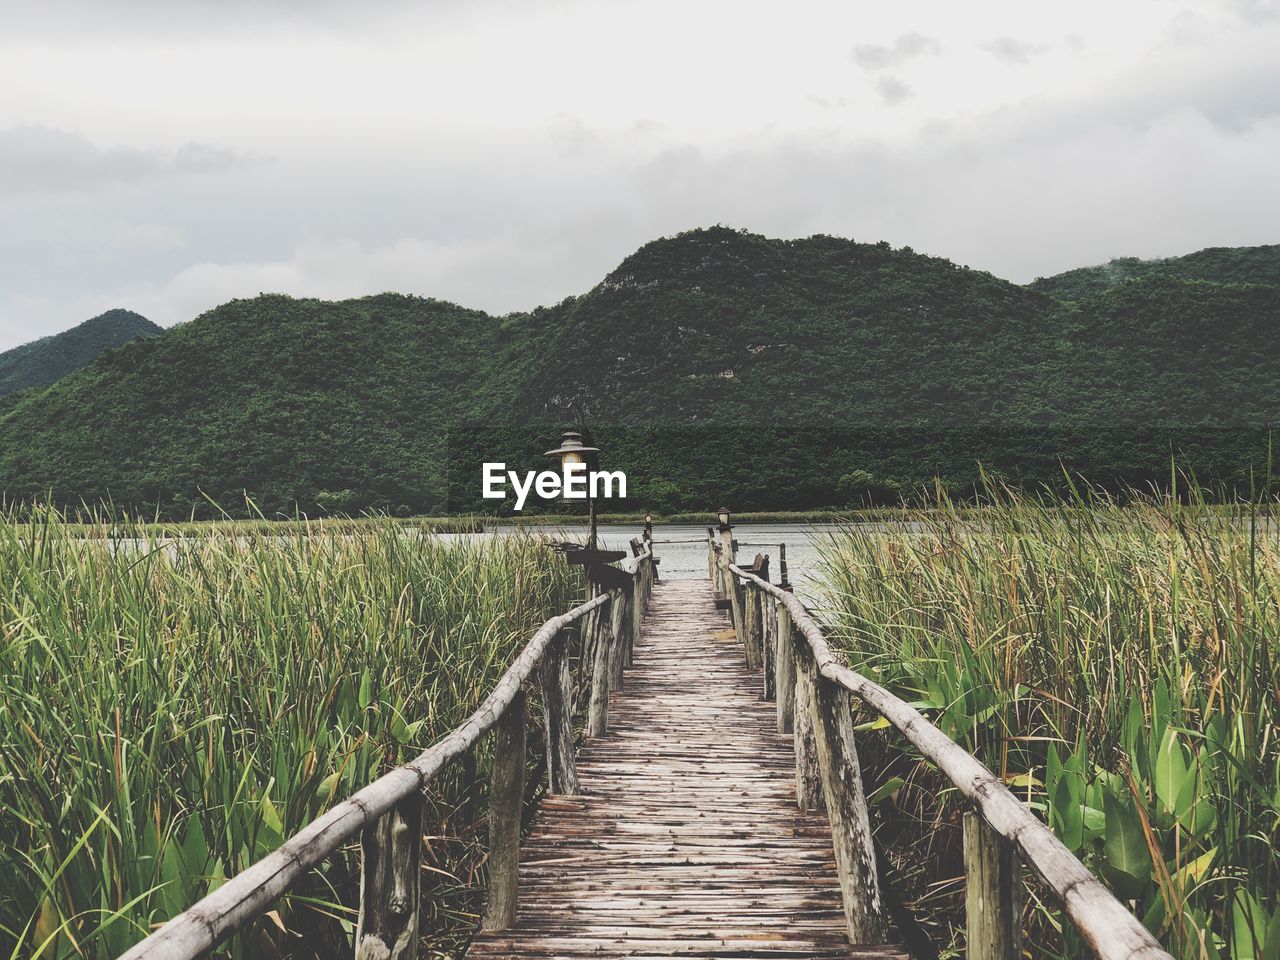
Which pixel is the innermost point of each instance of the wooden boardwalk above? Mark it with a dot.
(686, 841)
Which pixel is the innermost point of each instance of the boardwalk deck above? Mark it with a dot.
(686, 841)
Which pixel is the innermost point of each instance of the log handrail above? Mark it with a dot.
(250, 893)
(1110, 930)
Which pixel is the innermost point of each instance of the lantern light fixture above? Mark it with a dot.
(572, 450)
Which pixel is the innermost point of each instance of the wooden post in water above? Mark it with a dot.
(785, 684)
(993, 888)
(598, 708)
(808, 776)
(557, 715)
(390, 865)
(847, 810)
(506, 798)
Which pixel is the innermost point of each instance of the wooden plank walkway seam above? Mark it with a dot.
(686, 841)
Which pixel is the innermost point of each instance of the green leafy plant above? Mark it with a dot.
(1116, 664)
(171, 709)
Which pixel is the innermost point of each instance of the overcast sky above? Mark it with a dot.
(166, 156)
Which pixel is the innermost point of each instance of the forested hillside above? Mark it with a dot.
(1215, 264)
(41, 362)
(713, 366)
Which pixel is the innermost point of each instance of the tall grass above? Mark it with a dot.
(170, 710)
(1119, 666)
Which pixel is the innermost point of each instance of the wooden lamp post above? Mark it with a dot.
(571, 452)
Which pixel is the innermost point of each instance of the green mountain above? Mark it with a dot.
(713, 366)
(41, 362)
(1214, 264)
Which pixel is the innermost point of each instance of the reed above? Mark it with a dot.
(1117, 665)
(171, 709)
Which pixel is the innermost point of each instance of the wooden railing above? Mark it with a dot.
(812, 690)
(388, 812)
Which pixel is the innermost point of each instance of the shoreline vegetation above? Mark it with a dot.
(170, 712)
(472, 523)
(104, 523)
(175, 699)
(1117, 666)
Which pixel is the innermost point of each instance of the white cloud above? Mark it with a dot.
(506, 155)
(1014, 51)
(892, 90)
(908, 47)
(35, 157)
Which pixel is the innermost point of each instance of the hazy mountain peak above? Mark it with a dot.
(41, 362)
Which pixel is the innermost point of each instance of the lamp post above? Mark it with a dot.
(728, 547)
(573, 451)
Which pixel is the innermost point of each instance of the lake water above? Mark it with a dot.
(686, 558)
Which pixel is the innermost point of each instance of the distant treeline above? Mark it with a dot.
(713, 366)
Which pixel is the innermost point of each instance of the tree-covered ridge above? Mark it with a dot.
(715, 366)
(1214, 264)
(41, 362)
(288, 400)
(735, 326)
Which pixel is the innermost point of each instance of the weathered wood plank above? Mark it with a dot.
(808, 776)
(785, 665)
(751, 625)
(557, 719)
(768, 633)
(598, 708)
(685, 839)
(506, 805)
(390, 866)
(847, 808)
(619, 630)
(993, 894)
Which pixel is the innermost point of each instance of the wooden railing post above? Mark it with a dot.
(712, 572)
(586, 657)
(785, 684)
(390, 865)
(381, 816)
(993, 888)
(506, 797)
(729, 581)
(750, 633)
(598, 708)
(737, 598)
(620, 626)
(847, 810)
(768, 635)
(635, 604)
(557, 710)
(808, 776)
